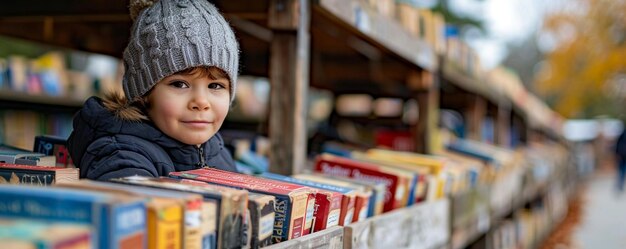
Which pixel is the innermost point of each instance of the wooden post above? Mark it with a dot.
(503, 125)
(289, 77)
(475, 114)
(426, 92)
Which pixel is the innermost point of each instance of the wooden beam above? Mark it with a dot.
(103, 38)
(474, 116)
(62, 7)
(289, 76)
(428, 105)
(503, 126)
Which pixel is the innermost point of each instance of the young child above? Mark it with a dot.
(180, 75)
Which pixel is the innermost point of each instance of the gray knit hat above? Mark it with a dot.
(173, 35)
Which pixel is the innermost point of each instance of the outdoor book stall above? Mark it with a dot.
(409, 180)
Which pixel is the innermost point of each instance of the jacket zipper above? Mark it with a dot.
(202, 163)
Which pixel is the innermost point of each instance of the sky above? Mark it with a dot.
(506, 22)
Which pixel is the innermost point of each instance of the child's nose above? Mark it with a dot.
(199, 103)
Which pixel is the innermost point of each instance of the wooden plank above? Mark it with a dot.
(356, 235)
(285, 15)
(289, 244)
(97, 37)
(503, 125)
(428, 106)
(289, 78)
(62, 7)
(474, 116)
(331, 238)
(422, 226)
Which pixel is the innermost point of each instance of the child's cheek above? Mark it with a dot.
(168, 109)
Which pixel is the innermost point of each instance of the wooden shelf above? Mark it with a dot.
(472, 84)
(331, 238)
(380, 31)
(424, 225)
(21, 100)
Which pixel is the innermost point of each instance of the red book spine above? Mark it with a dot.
(29, 167)
(347, 210)
(344, 167)
(310, 213)
(327, 209)
(360, 208)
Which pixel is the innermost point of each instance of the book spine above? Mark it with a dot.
(361, 207)
(255, 220)
(265, 224)
(192, 232)
(262, 222)
(209, 225)
(128, 226)
(413, 190)
(27, 177)
(394, 191)
(15, 205)
(422, 187)
(310, 214)
(331, 208)
(233, 220)
(299, 206)
(347, 210)
(165, 227)
(282, 219)
(373, 203)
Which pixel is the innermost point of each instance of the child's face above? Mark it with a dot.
(189, 108)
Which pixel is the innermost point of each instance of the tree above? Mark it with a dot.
(457, 19)
(590, 54)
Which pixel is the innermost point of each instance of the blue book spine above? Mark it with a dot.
(336, 151)
(39, 205)
(371, 206)
(413, 189)
(209, 241)
(111, 222)
(128, 223)
(282, 207)
(466, 150)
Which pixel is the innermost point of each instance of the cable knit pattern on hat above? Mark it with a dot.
(173, 35)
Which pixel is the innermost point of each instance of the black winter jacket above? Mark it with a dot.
(106, 147)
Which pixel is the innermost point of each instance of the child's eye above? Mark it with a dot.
(216, 86)
(179, 84)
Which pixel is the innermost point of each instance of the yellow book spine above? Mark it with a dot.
(298, 214)
(165, 227)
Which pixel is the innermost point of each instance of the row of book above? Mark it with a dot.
(47, 150)
(52, 74)
(19, 128)
(278, 210)
(299, 204)
(236, 210)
